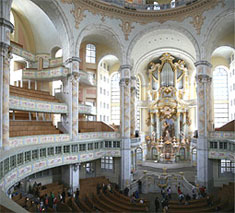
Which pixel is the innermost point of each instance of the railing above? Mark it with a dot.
(25, 104)
(135, 141)
(155, 7)
(98, 135)
(222, 134)
(18, 163)
(94, 126)
(87, 78)
(86, 109)
(52, 73)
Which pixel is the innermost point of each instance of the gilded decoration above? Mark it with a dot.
(143, 17)
(168, 118)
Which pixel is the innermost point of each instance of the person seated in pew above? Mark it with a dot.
(126, 191)
(181, 198)
(109, 187)
(137, 194)
(133, 199)
(187, 199)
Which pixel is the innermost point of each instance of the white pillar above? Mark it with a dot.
(133, 105)
(125, 71)
(5, 54)
(204, 109)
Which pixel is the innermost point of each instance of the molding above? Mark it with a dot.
(125, 66)
(203, 63)
(4, 22)
(72, 59)
(25, 104)
(142, 17)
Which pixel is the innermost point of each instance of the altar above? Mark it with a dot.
(168, 140)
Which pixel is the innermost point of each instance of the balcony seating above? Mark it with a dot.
(21, 115)
(94, 126)
(27, 128)
(32, 94)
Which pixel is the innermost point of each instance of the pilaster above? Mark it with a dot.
(204, 109)
(125, 92)
(133, 105)
(6, 28)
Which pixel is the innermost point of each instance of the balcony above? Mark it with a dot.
(86, 109)
(87, 79)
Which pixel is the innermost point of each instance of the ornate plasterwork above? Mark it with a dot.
(143, 17)
(126, 28)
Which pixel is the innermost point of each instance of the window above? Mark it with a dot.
(104, 92)
(173, 4)
(116, 144)
(1, 170)
(221, 102)
(6, 165)
(66, 149)
(27, 156)
(101, 144)
(104, 79)
(156, 6)
(90, 146)
(20, 159)
(96, 145)
(42, 152)
(108, 144)
(58, 150)
(50, 151)
(90, 53)
(213, 145)
(35, 154)
(115, 99)
(100, 117)
(107, 163)
(100, 90)
(59, 53)
(104, 117)
(100, 76)
(82, 147)
(104, 105)
(75, 148)
(89, 168)
(227, 166)
(13, 162)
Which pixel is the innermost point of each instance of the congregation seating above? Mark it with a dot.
(94, 126)
(32, 94)
(55, 188)
(3, 209)
(27, 128)
(222, 202)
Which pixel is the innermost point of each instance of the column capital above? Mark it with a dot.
(5, 49)
(72, 59)
(4, 22)
(203, 63)
(125, 66)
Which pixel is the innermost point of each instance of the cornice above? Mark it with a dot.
(194, 10)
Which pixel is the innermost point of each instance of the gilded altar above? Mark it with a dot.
(168, 120)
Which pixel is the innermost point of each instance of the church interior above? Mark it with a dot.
(117, 106)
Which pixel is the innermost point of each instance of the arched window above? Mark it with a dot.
(115, 99)
(59, 53)
(90, 53)
(156, 6)
(173, 4)
(221, 99)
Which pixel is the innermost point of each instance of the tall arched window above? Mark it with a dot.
(221, 99)
(115, 99)
(90, 53)
(173, 4)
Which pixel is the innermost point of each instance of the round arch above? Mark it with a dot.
(171, 28)
(220, 26)
(101, 34)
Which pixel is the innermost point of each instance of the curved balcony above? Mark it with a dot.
(18, 163)
(51, 73)
(144, 6)
(87, 79)
(86, 109)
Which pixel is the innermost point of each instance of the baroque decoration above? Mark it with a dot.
(194, 10)
(168, 109)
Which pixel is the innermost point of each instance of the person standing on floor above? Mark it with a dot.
(157, 204)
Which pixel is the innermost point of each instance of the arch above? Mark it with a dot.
(219, 27)
(54, 50)
(177, 29)
(56, 14)
(108, 36)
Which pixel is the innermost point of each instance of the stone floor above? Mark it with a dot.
(189, 171)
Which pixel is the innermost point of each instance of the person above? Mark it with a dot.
(140, 186)
(181, 197)
(179, 190)
(54, 203)
(194, 192)
(187, 199)
(157, 204)
(209, 201)
(137, 194)
(77, 194)
(163, 193)
(169, 192)
(63, 196)
(109, 188)
(133, 200)
(126, 191)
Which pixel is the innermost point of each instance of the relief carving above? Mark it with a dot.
(126, 28)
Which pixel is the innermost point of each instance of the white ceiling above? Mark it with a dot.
(45, 33)
(223, 51)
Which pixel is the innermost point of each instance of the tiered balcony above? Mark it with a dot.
(87, 79)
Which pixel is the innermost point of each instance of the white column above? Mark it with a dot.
(70, 176)
(133, 105)
(125, 91)
(71, 93)
(204, 109)
(5, 54)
